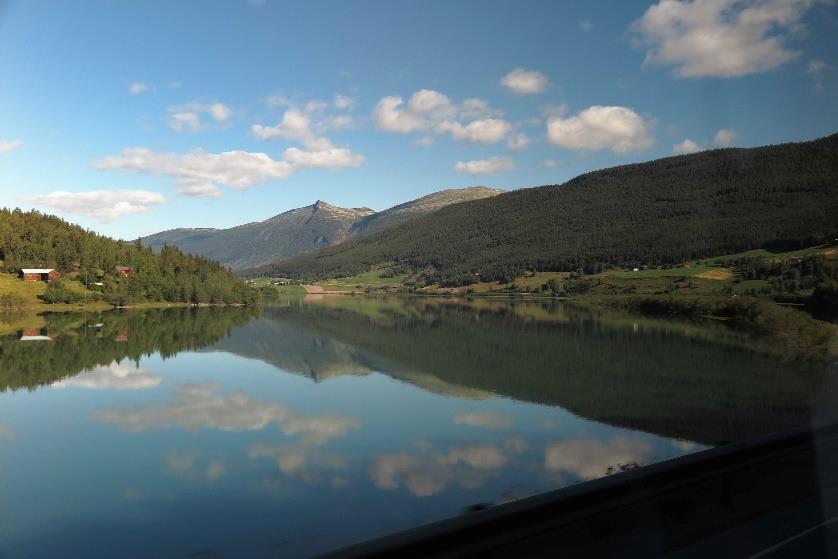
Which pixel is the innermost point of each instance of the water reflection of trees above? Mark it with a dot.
(676, 379)
(83, 342)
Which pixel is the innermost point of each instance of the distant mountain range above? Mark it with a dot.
(302, 230)
(662, 212)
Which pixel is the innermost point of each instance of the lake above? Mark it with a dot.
(323, 422)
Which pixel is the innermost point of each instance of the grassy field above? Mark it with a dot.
(30, 291)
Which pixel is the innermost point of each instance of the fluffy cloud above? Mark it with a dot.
(720, 38)
(585, 25)
(432, 112)
(816, 67)
(490, 166)
(484, 131)
(104, 205)
(593, 458)
(196, 406)
(8, 145)
(219, 112)
(550, 164)
(137, 87)
(524, 82)
(518, 142)
(486, 420)
(186, 465)
(343, 102)
(430, 473)
(185, 121)
(425, 109)
(187, 117)
(115, 376)
(196, 173)
(687, 146)
(724, 137)
(619, 129)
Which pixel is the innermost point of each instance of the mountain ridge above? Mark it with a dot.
(300, 230)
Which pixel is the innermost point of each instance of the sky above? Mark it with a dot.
(132, 117)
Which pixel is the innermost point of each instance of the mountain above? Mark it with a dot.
(661, 212)
(301, 230)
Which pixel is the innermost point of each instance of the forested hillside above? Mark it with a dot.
(34, 240)
(661, 212)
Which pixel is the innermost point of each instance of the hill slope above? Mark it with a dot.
(664, 211)
(34, 240)
(301, 230)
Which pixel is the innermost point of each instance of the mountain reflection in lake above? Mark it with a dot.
(322, 423)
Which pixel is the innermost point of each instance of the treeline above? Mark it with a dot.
(653, 214)
(33, 240)
(788, 276)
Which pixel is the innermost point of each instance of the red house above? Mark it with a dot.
(38, 274)
(124, 271)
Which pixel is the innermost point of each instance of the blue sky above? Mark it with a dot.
(133, 117)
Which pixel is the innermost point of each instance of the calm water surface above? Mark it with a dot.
(330, 421)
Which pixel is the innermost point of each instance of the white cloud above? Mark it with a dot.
(295, 125)
(197, 173)
(423, 108)
(8, 145)
(593, 458)
(137, 87)
(474, 108)
(518, 142)
(304, 125)
(550, 163)
(197, 188)
(720, 38)
(336, 122)
(486, 420)
(490, 166)
(619, 129)
(343, 102)
(184, 464)
(219, 112)
(687, 146)
(188, 116)
(185, 121)
(115, 376)
(425, 141)
(429, 474)
(485, 131)
(332, 158)
(524, 82)
(196, 406)
(585, 25)
(104, 205)
(432, 112)
(724, 137)
(816, 67)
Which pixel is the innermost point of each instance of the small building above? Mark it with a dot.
(38, 274)
(35, 335)
(124, 271)
(121, 336)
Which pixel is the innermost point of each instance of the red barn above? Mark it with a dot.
(123, 271)
(38, 274)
